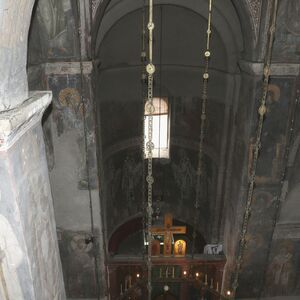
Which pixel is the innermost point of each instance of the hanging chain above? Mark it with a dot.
(150, 68)
(143, 96)
(261, 112)
(207, 56)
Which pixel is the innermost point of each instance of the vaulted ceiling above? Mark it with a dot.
(179, 43)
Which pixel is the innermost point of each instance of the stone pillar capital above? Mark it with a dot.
(15, 122)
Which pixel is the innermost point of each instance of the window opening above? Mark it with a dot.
(161, 129)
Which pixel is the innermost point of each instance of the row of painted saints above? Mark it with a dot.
(128, 177)
(167, 231)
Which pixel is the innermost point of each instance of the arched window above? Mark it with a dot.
(161, 128)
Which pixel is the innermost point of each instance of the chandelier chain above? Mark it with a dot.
(207, 56)
(261, 112)
(143, 95)
(150, 69)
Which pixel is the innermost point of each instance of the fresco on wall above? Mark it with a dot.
(274, 131)
(173, 188)
(121, 126)
(269, 174)
(67, 106)
(257, 238)
(185, 120)
(287, 41)
(68, 122)
(70, 98)
(131, 177)
(123, 186)
(283, 270)
(185, 176)
(78, 261)
(270, 166)
(58, 30)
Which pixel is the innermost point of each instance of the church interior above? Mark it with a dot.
(149, 149)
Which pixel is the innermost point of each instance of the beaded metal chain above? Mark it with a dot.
(143, 96)
(207, 56)
(150, 69)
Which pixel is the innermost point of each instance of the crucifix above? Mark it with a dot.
(167, 231)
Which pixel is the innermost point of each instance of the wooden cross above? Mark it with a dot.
(167, 231)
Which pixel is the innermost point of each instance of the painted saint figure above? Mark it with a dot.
(52, 15)
(293, 17)
(131, 175)
(184, 175)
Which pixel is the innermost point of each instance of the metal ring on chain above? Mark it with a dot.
(150, 68)
(151, 26)
(150, 107)
(150, 146)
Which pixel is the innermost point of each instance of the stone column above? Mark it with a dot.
(15, 18)
(30, 267)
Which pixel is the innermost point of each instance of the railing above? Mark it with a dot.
(203, 287)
